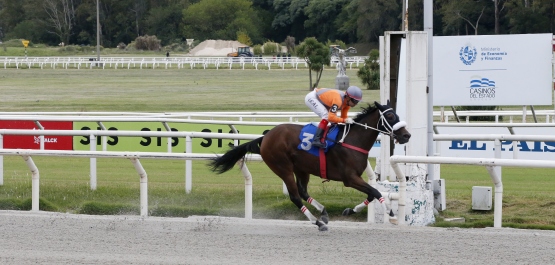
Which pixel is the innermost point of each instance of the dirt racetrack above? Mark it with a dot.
(56, 238)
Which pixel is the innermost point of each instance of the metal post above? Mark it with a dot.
(188, 165)
(429, 28)
(92, 169)
(97, 31)
(143, 185)
(34, 182)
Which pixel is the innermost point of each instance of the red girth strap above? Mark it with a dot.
(355, 148)
(323, 173)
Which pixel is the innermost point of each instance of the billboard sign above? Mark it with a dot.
(51, 142)
(536, 150)
(493, 70)
(159, 144)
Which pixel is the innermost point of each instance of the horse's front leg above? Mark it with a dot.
(359, 184)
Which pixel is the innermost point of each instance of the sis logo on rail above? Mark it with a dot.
(482, 88)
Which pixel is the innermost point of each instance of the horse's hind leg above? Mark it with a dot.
(289, 180)
(302, 185)
(359, 184)
(296, 199)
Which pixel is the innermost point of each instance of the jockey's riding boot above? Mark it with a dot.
(317, 140)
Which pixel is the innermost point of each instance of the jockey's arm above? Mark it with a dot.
(345, 112)
(332, 116)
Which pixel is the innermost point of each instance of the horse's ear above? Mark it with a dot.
(377, 104)
(388, 103)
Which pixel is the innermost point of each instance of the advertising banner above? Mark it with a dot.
(33, 142)
(537, 150)
(159, 144)
(493, 70)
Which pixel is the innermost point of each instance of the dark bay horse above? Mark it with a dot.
(345, 162)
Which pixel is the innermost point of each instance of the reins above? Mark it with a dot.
(389, 130)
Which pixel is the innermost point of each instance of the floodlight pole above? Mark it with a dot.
(97, 31)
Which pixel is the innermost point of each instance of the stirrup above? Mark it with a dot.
(318, 144)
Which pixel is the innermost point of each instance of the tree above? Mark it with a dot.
(138, 9)
(166, 20)
(457, 14)
(369, 73)
(61, 17)
(316, 55)
(525, 17)
(11, 14)
(290, 44)
(346, 22)
(215, 19)
(244, 38)
(117, 22)
(377, 16)
(321, 15)
(289, 17)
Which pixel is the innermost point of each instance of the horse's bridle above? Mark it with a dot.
(388, 129)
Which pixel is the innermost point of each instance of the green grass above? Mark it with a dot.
(159, 90)
(41, 50)
(529, 200)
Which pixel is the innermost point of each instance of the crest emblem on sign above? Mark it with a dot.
(468, 54)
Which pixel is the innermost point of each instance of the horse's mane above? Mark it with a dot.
(365, 112)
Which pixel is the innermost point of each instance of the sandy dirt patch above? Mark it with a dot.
(214, 48)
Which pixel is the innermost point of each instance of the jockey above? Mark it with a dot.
(326, 102)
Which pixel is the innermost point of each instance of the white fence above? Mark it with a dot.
(94, 133)
(134, 157)
(492, 165)
(168, 62)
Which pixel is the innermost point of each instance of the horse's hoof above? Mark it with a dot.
(321, 226)
(391, 213)
(324, 216)
(393, 220)
(348, 211)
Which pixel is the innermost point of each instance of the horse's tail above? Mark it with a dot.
(226, 162)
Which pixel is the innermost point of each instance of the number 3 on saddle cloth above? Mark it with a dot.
(307, 134)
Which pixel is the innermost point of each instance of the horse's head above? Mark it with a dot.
(389, 122)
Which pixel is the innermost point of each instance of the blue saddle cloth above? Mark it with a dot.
(307, 134)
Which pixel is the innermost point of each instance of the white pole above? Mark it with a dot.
(188, 165)
(498, 207)
(35, 182)
(97, 31)
(248, 190)
(92, 176)
(429, 28)
(402, 192)
(496, 175)
(143, 186)
(372, 181)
